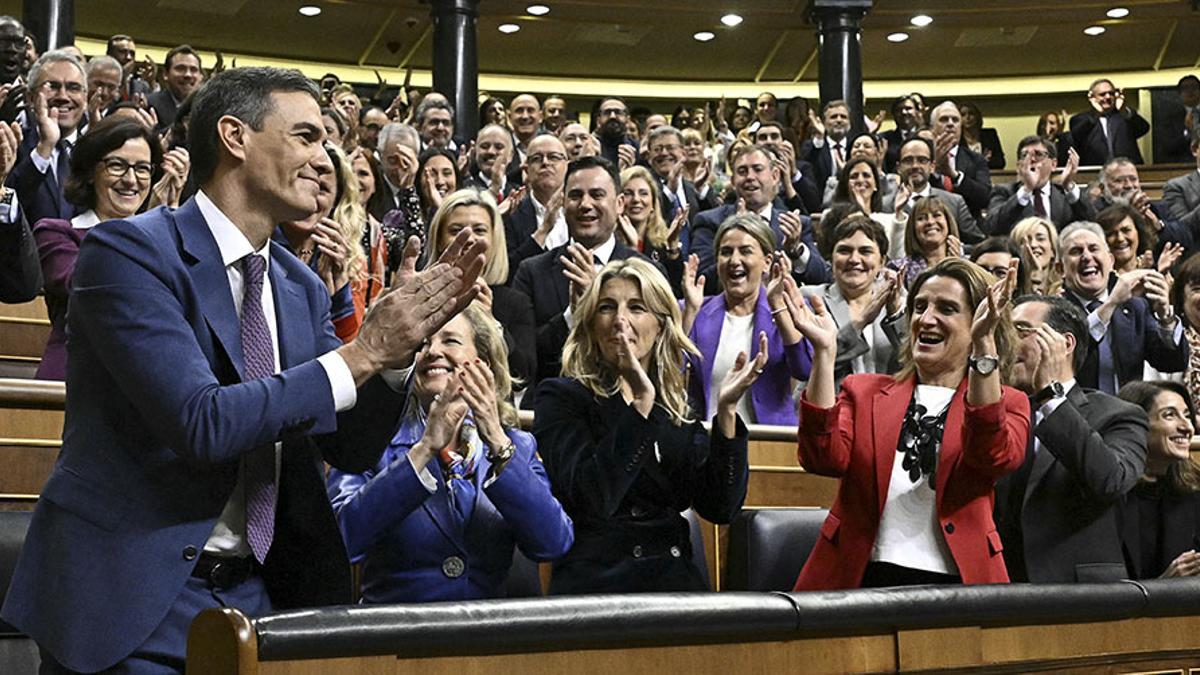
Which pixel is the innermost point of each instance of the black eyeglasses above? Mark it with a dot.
(552, 157)
(116, 167)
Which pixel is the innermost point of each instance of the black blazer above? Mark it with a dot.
(1057, 514)
(600, 455)
(40, 194)
(1005, 211)
(164, 106)
(1148, 553)
(514, 311)
(1087, 134)
(519, 225)
(20, 268)
(820, 159)
(990, 148)
(976, 185)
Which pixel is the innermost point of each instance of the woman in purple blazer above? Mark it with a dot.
(111, 168)
(744, 317)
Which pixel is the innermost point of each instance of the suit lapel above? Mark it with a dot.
(1044, 459)
(211, 281)
(439, 509)
(952, 441)
(887, 415)
(291, 311)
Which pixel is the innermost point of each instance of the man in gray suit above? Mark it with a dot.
(1182, 194)
(1057, 514)
(1033, 194)
(915, 166)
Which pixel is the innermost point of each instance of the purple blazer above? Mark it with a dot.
(58, 247)
(771, 393)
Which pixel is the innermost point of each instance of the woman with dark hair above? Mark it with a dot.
(978, 138)
(1185, 298)
(111, 169)
(1127, 236)
(930, 235)
(918, 453)
(368, 286)
(335, 123)
(869, 146)
(995, 254)
(797, 127)
(493, 111)
(1160, 517)
(437, 176)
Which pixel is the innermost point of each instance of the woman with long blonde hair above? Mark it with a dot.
(641, 225)
(624, 451)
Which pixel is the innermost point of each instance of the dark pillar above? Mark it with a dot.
(456, 61)
(839, 36)
(52, 22)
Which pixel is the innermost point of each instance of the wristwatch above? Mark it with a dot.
(1051, 391)
(984, 365)
(501, 454)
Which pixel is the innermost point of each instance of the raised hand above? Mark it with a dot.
(877, 121)
(816, 324)
(1067, 176)
(882, 292)
(47, 122)
(464, 157)
(591, 148)
(1171, 254)
(626, 156)
(953, 247)
(478, 387)
(693, 289)
(792, 228)
(942, 146)
(626, 232)
(549, 218)
(1158, 294)
(1051, 359)
(903, 193)
(675, 230)
(818, 127)
(739, 378)
(578, 268)
(10, 142)
(992, 307)
(334, 264)
(445, 416)
(631, 371)
(485, 298)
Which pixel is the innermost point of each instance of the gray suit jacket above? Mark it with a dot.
(968, 229)
(1057, 514)
(1005, 210)
(1182, 197)
(886, 335)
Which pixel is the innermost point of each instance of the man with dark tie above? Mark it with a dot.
(957, 168)
(1110, 129)
(665, 151)
(57, 100)
(1130, 317)
(828, 146)
(1034, 194)
(915, 165)
(207, 390)
(908, 120)
(1057, 514)
(181, 70)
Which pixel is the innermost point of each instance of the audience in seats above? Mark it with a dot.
(748, 312)
(1038, 240)
(1057, 514)
(995, 254)
(799, 181)
(665, 155)
(436, 518)
(554, 113)
(1034, 193)
(1130, 318)
(907, 117)
(1160, 517)
(609, 126)
(917, 454)
(537, 224)
(865, 301)
(437, 176)
(475, 210)
(1108, 130)
(916, 167)
(624, 450)
(1185, 299)
(1052, 126)
(957, 168)
(110, 180)
(1132, 241)
(930, 236)
(827, 149)
(869, 146)
(978, 138)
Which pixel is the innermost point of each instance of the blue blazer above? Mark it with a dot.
(1136, 340)
(40, 194)
(771, 393)
(404, 534)
(704, 231)
(158, 417)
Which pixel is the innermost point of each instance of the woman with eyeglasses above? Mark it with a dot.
(111, 170)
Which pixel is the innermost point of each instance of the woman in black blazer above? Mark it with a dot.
(624, 451)
(984, 141)
(1160, 517)
(475, 209)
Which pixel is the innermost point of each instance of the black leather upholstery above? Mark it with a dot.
(523, 580)
(767, 547)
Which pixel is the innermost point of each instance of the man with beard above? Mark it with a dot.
(525, 118)
(756, 180)
(183, 75)
(58, 91)
(1033, 194)
(554, 113)
(1110, 129)
(915, 165)
(489, 161)
(1057, 514)
(828, 146)
(800, 190)
(908, 120)
(537, 223)
(124, 50)
(957, 168)
(615, 146)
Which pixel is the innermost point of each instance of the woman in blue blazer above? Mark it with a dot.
(458, 486)
(738, 318)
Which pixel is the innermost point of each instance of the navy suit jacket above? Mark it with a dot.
(404, 533)
(519, 226)
(1005, 211)
(704, 230)
(158, 417)
(1136, 340)
(820, 159)
(1087, 134)
(164, 106)
(40, 194)
(976, 185)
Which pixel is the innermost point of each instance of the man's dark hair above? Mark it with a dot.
(594, 162)
(362, 114)
(769, 123)
(916, 139)
(1046, 143)
(428, 104)
(176, 51)
(1187, 78)
(112, 41)
(1064, 316)
(1003, 245)
(102, 138)
(859, 222)
(835, 103)
(244, 93)
(898, 103)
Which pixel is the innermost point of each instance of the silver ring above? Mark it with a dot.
(437, 397)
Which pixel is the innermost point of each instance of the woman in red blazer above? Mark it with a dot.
(918, 453)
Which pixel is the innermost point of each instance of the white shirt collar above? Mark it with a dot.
(231, 242)
(765, 212)
(604, 251)
(86, 220)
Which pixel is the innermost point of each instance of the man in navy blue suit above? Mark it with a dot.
(206, 387)
(756, 179)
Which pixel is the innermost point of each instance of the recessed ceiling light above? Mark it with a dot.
(310, 10)
(704, 36)
(509, 28)
(731, 20)
(538, 10)
(897, 37)
(1094, 30)
(921, 20)
(1118, 13)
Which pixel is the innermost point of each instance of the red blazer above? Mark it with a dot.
(856, 441)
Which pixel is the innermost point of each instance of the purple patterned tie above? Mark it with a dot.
(259, 464)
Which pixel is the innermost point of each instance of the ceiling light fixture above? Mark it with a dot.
(921, 20)
(508, 28)
(310, 10)
(897, 37)
(704, 36)
(731, 20)
(1118, 13)
(1094, 30)
(538, 10)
